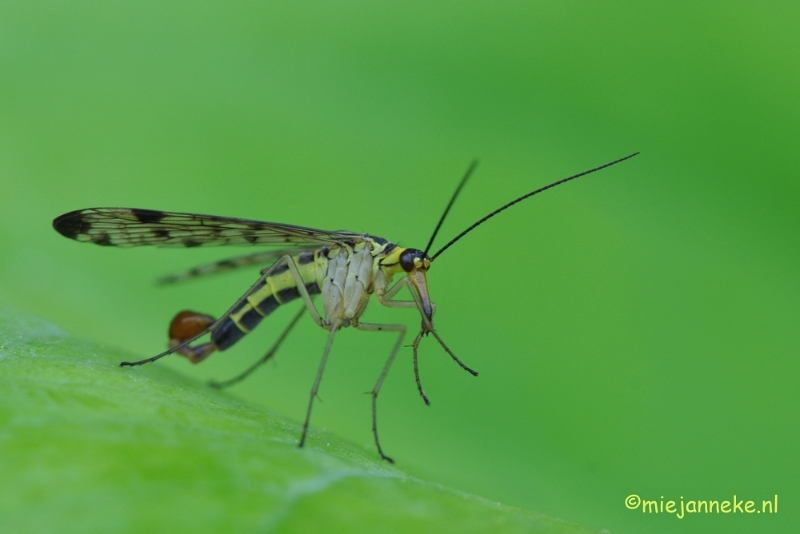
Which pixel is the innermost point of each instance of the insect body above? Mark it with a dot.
(344, 268)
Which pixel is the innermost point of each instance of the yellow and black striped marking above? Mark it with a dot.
(278, 288)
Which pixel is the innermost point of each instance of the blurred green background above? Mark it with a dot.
(636, 331)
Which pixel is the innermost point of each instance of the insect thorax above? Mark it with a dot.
(351, 276)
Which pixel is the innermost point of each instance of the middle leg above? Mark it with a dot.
(401, 330)
(333, 328)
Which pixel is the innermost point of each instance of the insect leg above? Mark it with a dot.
(301, 288)
(402, 333)
(426, 328)
(450, 352)
(414, 346)
(386, 300)
(334, 327)
(429, 329)
(270, 353)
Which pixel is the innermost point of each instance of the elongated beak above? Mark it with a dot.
(418, 280)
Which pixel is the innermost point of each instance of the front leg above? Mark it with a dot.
(427, 328)
(386, 300)
(387, 297)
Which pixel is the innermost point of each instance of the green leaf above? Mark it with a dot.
(87, 446)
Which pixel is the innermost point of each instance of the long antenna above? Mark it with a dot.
(520, 199)
(450, 205)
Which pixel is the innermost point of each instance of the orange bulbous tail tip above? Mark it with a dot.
(186, 325)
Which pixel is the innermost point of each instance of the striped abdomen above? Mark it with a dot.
(278, 288)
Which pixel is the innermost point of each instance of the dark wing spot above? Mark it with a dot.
(102, 239)
(148, 216)
(251, 238)
(71, 225)
(191, 243)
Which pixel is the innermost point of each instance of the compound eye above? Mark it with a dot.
(407, 260)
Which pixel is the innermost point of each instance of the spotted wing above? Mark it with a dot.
(264, 258)
(130, 227)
